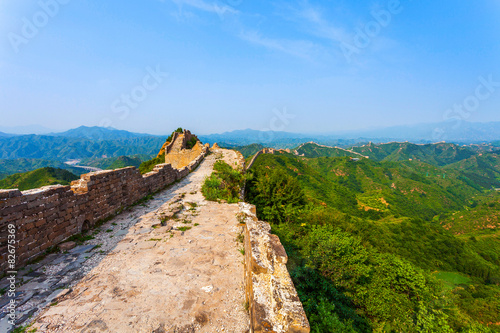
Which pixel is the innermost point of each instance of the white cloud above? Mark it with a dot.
(211, 7)
(312, 21)
(298, 48)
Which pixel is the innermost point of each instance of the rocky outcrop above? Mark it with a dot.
(273, 301)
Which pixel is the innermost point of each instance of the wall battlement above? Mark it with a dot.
(46, 216)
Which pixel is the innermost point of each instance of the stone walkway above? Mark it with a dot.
(141, 275)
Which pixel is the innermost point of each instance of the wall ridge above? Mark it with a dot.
(273, 301)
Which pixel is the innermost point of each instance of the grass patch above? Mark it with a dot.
(223, 184)
(79, 238)
(241, 217)
(240, 238)
(196, 224)
(242, 251)
(192, 204)
(154, 239)
(24, 329)
(184, 228)
(452, 279)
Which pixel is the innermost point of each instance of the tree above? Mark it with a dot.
(277, 196)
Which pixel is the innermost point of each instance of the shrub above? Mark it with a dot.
(148, 166)
(223, 184)
(191, 143)
(277, 196)
(179, 130)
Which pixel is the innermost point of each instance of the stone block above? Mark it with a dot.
(67, 246)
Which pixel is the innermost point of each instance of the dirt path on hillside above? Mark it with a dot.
(184, 276)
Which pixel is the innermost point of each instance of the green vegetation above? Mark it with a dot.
(148, 166)
(37, 178)
(184, 228)
(438, 154)
(223, 184)
(452, 279)
(191, 143)
(314, 150)
(249, 150)
(278, 195)
(178, 130)
(21, 165)
(368, 245)
(57, 148)
(112, 163)
(79, 238)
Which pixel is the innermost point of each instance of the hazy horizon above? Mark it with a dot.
(40, 130)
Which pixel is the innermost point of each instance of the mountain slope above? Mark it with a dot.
(312, 149)
(370, 188)
(20, 165)
(112, 163)
(483, 169)
(99, 133)
(249, 150)
(370, 232)
(6, 135)
(66, 148)
(438, 154)
(37, 178)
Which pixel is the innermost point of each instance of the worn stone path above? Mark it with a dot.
(140, 275)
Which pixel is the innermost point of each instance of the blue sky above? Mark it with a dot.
(213, 66)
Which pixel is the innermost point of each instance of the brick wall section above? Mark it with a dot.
(257, 154)
(273, 301)
(46, 216)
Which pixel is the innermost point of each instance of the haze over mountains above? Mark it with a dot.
(450, 131)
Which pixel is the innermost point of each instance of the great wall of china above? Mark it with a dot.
(44, 218)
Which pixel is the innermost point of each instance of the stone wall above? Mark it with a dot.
(46, 216)
(176, 152)
(257, 154)
(273, 301)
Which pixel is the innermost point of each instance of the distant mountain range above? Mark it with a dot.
(450, 131)
(98, 142)
(62, 148)
(99, 133)
(457, 132)
(6, 135)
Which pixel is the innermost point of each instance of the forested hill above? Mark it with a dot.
(389, 243)
(61, 148)
(438, 154)
(312, 149)
(37, 178)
